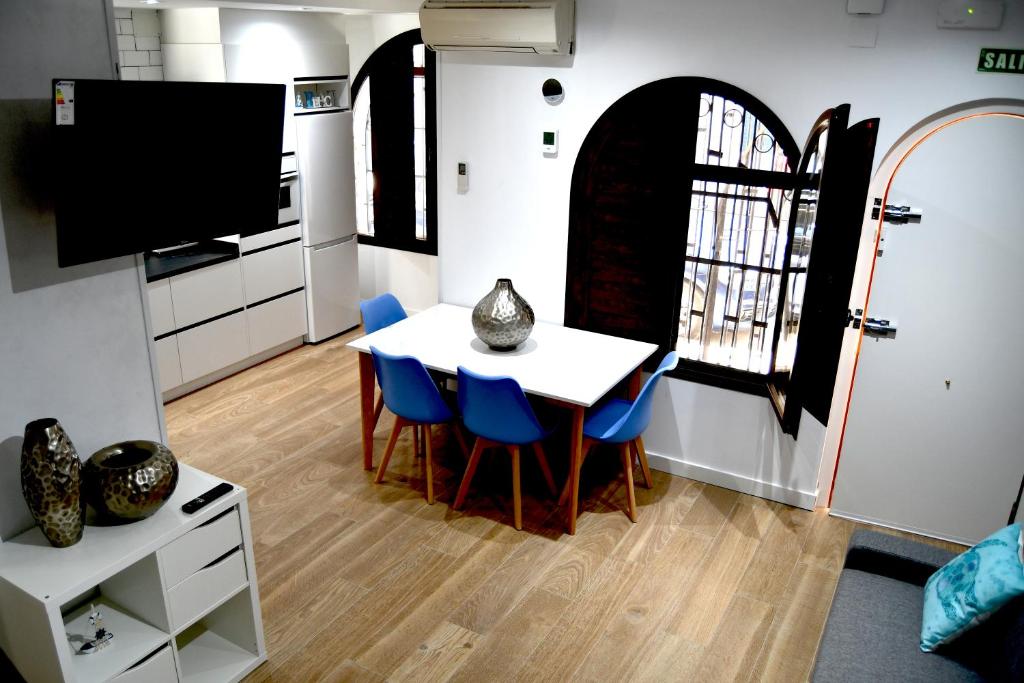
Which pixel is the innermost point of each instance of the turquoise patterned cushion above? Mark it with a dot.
(973, 586)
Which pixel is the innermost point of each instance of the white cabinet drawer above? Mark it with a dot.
(168, 363)
(276, 322)
(206, 293)
(265, 239)
(161, 313)
(272, 271)
(199, 547)
(194, 596)
(157, 669)
(212, 346)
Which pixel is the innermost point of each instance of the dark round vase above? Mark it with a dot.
(129, 481)
(51, 482)
(502, 319)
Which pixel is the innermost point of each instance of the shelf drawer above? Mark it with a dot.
(168, 363)
(276, 322)
(213, 346)
(265, 239)
(194, 596)
(157, 669)
(161, 313)
(199, 547)
(272, 271)
(206, 293)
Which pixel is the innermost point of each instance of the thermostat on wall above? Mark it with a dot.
(551, 142)
(971, 14)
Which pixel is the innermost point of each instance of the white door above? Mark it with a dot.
(326, 176)
(934, 439)
(332, 288)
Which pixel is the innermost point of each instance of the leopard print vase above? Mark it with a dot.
(51, 482)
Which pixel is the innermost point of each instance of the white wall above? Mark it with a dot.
(794, 55)
(73, 341)
(411, 277)
(367, 32)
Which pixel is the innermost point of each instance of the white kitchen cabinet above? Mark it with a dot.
(265, 239)
(207, 627)
(272, 271)
(207, 292)
(276, 322)
(161, 312)
(212, 346)
(168, 362)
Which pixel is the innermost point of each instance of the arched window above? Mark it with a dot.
(683, 232)
(394, 124)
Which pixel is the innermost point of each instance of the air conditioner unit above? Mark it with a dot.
(532, 26)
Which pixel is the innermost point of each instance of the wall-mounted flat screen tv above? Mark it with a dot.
(143, 165)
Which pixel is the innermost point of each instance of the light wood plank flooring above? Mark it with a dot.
(368, 583)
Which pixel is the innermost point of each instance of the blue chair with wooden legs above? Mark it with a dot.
(380, 312)
(623, 422)
(497, 411)
(410, 393)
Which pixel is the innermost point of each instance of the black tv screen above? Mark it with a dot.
(142, 165)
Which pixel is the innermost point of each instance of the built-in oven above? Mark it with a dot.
(288, 212)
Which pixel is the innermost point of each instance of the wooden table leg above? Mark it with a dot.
(636, 381)
(366, 382)
(575, 454)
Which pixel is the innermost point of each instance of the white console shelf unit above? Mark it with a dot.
(177, 591)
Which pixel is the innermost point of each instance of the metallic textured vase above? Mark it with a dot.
(51, 482)
(129, 481)
(503, 320)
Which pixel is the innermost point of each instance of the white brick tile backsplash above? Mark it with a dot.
(135, 58)
(151, 73)
(156, 57)
(120, 13)
(146, 43)
(125, 27)
(126, 43)
(146, 22)
(129, 73)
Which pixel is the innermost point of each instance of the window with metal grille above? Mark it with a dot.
(394, 130)
(736, 240)
(693, 222)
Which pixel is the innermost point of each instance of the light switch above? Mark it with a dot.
(462, 179)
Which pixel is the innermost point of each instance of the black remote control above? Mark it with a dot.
(199, 502)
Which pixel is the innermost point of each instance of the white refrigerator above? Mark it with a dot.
(327, 181)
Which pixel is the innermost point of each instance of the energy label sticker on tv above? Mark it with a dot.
(64, 96)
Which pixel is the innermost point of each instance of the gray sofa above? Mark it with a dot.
(874, 625)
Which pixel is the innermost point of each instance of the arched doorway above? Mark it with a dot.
(927, 444)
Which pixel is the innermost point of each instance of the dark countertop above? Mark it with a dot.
(201, 255)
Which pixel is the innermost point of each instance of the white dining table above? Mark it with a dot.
(570, 367)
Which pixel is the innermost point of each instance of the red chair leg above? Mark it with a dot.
(545, 470)
(430, 464)
(467, 478)
(627, 466)
(392, 440)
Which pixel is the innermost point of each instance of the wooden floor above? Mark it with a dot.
(368, 583)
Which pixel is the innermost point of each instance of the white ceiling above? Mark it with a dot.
(342, 6)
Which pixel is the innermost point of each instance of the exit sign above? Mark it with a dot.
(1001, 61)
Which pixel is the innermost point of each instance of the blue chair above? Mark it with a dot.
(410, 393)
(496, 410)
(622, 422)
(380, 312)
